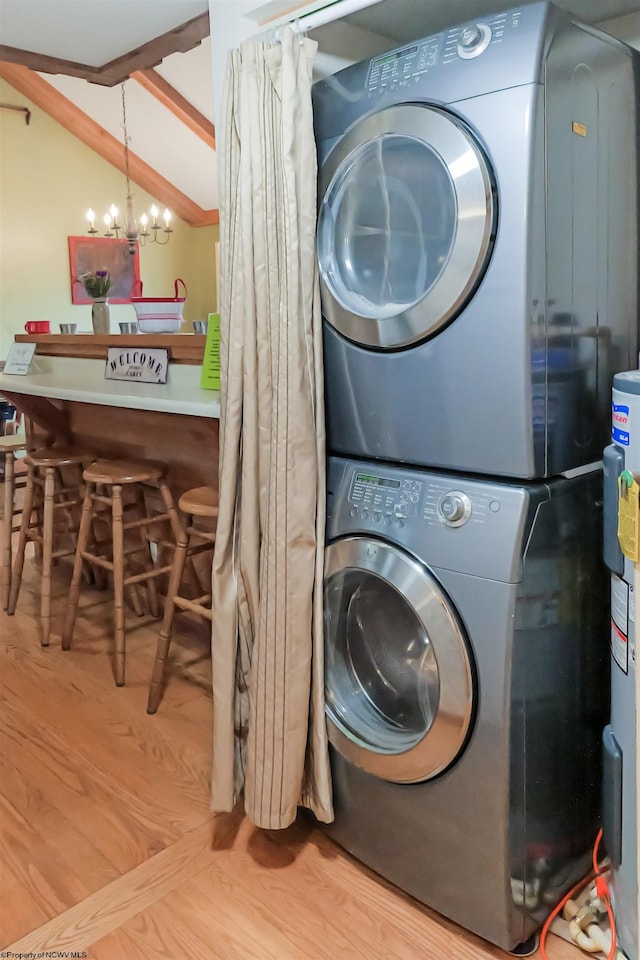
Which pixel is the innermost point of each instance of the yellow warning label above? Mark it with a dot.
(629, 518)
(579, 128)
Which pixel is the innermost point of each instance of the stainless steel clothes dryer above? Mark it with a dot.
(465, 639)
(477, 243)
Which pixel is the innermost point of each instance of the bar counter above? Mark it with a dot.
(65, 394)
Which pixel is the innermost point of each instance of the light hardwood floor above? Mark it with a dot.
(106, 841)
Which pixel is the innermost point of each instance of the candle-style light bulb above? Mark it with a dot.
(107, 219)
(91, 218)
(154, 214)
(167, 217)
(144, 220)
(113, 210)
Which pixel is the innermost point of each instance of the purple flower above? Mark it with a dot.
(96, 284)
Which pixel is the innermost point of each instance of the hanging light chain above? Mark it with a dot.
(130, 226)
(127, 138)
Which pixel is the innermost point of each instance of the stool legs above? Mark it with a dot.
(74, 589)
(175, 578)
(187, 546)
(174, 518)
(111, 479)
(134, 599)
(118, 584)
(152, 592)
(7, 525)
(51, 499)
(164, 640)
(117, 532)
(47, 554)
(16, 576)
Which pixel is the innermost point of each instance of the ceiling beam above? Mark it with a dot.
(157, 86)
(79, 124)
(45, 64)
(179, 40)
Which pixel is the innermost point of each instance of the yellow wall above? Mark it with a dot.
(48, 180)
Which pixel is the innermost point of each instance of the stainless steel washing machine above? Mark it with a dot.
(477, 244)
(466, 639)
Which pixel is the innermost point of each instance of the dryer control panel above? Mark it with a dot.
(471, 39)
(401, 68)
(408, 66)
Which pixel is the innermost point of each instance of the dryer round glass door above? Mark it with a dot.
(399, 684)
(406, 225)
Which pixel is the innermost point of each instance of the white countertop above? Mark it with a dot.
(70, 378)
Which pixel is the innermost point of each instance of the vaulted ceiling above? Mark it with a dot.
(71, 60)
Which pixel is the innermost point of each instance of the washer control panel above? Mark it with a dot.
(447, 506)
(449, 521)
(454, 508)
(383, 499)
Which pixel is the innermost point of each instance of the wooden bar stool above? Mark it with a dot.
(9, 446)
(104, 483)
(45, 481)
(201, 502)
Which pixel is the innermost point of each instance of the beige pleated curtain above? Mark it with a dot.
(269, 737)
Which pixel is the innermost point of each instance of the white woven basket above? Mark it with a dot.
(160, 314)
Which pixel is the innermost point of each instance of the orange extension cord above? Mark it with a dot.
(602, 889)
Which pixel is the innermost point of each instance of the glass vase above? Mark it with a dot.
(100, 316)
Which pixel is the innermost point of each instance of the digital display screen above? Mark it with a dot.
(390, 57)
(377, 481)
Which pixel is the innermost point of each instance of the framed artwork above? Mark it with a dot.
(88, 254)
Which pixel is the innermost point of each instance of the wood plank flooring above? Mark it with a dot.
(107, 844)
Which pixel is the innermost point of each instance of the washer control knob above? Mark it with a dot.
(474, 40)
(471, 36)
(454, 508)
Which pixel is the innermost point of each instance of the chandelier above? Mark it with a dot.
(148, 230)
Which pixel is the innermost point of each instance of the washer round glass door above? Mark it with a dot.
(406, 225)
(398, 678)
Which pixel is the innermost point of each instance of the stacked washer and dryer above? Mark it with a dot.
(477, 244)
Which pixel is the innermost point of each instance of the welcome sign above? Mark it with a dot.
(136, 363)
